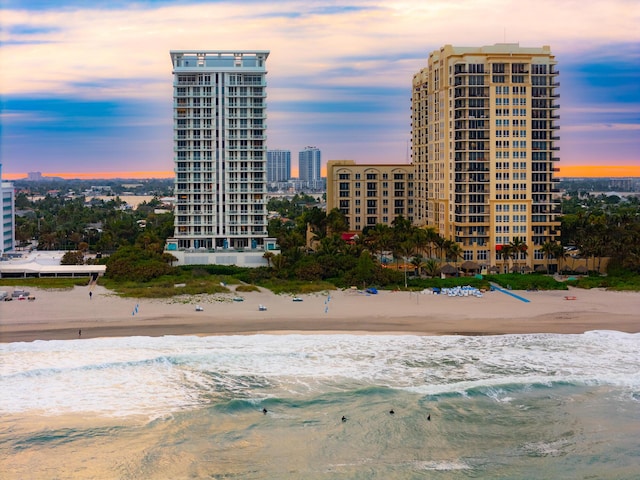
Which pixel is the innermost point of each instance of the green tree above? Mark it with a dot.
(365, 269)
(72, 258)
(336, 222)
(548, 249)
(418, 264)
(518, 249)
(431, 267)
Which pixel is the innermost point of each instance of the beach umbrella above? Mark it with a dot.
(526, 268)
(493, 268)
(515, 269)
(469, 265)
(449, 269)
(541, 268)
(582, 269)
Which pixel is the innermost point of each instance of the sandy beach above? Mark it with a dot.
(62, 314)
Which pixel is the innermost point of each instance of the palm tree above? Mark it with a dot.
(279, 262)
(402, 227)
(405, 249)
(379, 239)
(268, 256)
(505, 253)
(420, 238)
(441, 243)
(453, 252)
(548, 248)
(518, 248)
(336, 222)
(418, 264)
(431, 267)
(432, 237)
(561, 254)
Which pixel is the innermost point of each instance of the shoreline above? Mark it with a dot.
(64, 314)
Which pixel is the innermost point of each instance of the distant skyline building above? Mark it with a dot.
(278, 165)
(220, 155)
(309, 164)
(8, 215)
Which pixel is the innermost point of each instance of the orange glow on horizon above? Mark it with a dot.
(93, 175)
(590, 171)
(599, 171)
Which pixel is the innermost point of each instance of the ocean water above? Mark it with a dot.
(512, 406)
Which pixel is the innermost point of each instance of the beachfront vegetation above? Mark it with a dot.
(44, 283)
(74, 224)
(315, 255)
(603, 226)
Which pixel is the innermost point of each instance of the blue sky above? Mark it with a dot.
(86, 85)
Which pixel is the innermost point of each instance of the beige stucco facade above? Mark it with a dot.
(484, 154)
(485, 144)
(368, 194)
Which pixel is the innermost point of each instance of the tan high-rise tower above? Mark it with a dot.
(484, 135)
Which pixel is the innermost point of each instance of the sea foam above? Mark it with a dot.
(156, 376)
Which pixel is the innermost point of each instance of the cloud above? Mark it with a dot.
(339, 75)
(132, 42)
(599, 127)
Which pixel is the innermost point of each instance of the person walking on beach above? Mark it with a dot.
(90, 294)
(79, 333)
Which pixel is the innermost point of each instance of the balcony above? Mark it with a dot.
(194, 170)
(246, 169)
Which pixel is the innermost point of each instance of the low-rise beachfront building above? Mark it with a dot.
(368, 194)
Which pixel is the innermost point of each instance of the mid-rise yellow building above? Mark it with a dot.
(368, 194)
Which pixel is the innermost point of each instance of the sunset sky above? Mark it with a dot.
(87, 87)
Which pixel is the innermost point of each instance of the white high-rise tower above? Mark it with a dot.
(220, 154)
(7, 215)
